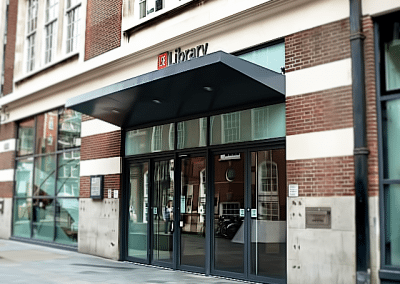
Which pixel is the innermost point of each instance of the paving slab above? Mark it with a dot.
(35, 264)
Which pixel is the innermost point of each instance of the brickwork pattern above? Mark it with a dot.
(103, 27)
(10, 47)
(319, 111)
(7, 160)
(110, 182)
(317, 46)
(8, 131)
(332, 176)
(6, 189)
(86, 117)
(372, 125)
(100, 146)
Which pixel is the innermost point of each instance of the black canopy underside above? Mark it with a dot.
(206, 85)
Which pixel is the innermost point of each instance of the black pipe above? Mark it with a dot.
(360, 143)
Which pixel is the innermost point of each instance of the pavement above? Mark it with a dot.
(28, 263)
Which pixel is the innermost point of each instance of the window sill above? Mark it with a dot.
(33, 73)
(135, 25)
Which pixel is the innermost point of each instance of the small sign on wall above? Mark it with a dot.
(96, 187)
(293, 190)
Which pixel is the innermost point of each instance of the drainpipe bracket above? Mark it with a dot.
(356, 36)
(361, 151)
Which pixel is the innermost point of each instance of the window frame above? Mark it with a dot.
(387, 271)
(71, 48)
(35, 157)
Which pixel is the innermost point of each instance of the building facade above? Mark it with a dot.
(248, 139)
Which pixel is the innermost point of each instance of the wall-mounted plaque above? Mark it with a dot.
(96, 187)
(318, 217)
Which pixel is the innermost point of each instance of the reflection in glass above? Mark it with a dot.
(268, 198)
(271, 57)
(69, 129)
(138, 210)
(193, 211)
(152, 139)
(22, 217)
(392, 55)
(392, 224)
(163, 215)
(249, 125)
(67, 220)
(25, 137)
(45, 174)
(391, 125)
(46, 132)
(24, 174)
(228, 222)
(68, 174)
(43, 219)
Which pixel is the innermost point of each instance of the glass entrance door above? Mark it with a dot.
(229, 213)
(138, 210)
(250, 215)
(193, 212)
(268, 214)
(163, 210)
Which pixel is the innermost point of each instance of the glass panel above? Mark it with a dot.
(392, 56)
(192, 133)
(228, 223)
(69, 129)
(68, 179)
(138, 210)
(163, 210)
(391, 132)
(147, 140)
(22, 217)
(45, 176)
(43, 219)
(25, 137)
(268, 227)
(392, 224)
(193, 211)
(67, 220)
(248, 125)
(24, 175)
(271, 57)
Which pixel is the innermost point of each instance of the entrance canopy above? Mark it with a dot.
(209, 84)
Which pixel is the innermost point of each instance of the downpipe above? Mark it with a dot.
(361, 151)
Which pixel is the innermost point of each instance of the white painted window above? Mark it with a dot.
(147, 7)
(268, 178)
(156, 141)
(31, 34)
(73, 9)
(50, 28)
(231, 127)
(260, 123)
(270, 210)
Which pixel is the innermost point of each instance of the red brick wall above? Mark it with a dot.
(325, 110)
(8, 131)
(110, 182)
(101, 146)
(318, 45)
(103, 27)
(86, 117)
(10, 47)
(320, 111)
(372, 131)
(322, 177)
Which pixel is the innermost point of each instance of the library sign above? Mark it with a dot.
(173, 57)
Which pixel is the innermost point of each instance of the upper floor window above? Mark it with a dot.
(73, 25)
(31, 34)
(50, 28)
(231, 127)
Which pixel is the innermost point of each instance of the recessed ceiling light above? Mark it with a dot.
(156, 101)
(208, 89)
(115, 111)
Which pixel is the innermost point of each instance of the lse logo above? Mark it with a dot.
(162, 61)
